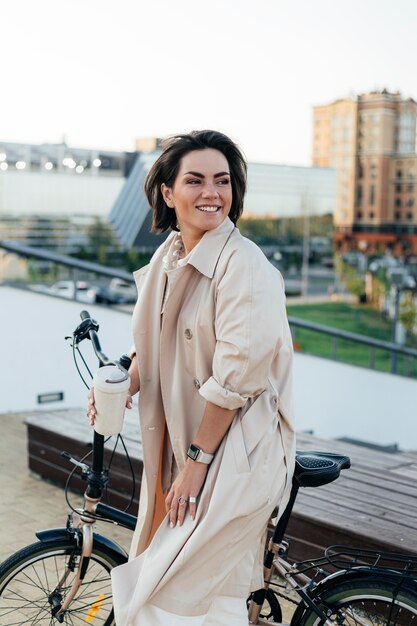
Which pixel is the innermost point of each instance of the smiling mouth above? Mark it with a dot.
(208, 208)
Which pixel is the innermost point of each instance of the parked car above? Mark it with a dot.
(120, 287)
(105, 295)
(65, 289)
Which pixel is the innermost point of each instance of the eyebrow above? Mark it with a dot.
(199, 175)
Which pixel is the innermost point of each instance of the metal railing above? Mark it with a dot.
(337, 336)
(66, 261)
(399, 359)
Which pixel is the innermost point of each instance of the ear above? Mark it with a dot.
(167, 195)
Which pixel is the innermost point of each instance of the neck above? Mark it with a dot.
(190, 241)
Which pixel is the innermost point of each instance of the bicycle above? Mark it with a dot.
(65, 576)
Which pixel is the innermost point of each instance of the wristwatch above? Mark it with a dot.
(197, 454)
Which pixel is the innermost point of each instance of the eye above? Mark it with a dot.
(224, 181)
(193, 181)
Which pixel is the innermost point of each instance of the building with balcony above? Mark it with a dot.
(370, 140)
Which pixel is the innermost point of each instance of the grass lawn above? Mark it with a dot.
(360, 319)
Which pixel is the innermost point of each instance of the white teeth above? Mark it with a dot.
(208, 209)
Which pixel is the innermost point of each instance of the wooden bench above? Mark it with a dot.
(373, 505)
(51, 433)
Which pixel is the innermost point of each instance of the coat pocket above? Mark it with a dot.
(258, 418)
(238, 445)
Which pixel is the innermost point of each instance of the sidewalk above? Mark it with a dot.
(28, 503)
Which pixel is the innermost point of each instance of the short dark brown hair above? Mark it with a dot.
(165, 170)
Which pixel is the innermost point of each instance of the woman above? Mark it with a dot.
(213, 355)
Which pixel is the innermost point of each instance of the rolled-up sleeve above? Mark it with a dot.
(250, 305)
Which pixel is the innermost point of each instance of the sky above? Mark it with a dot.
(100, 73)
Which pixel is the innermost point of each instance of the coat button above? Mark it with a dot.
(188, 333)
(197, 384)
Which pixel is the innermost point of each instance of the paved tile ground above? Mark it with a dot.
(29, 503)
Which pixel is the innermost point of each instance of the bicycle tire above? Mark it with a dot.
(367, 601)
(28, 578)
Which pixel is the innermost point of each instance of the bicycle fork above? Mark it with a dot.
(59, 608)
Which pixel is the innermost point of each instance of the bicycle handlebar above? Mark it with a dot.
(88, 328)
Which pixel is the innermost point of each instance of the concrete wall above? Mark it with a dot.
(338, 400)
(36, 359)
(332, 399)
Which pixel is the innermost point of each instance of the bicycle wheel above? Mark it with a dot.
(29, 580)
(366, 602)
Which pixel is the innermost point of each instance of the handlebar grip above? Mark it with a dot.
(85, 315)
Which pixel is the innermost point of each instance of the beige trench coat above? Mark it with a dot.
(224, 338)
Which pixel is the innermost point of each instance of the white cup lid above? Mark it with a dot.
(110, 375)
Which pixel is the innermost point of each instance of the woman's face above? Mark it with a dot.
(201, 194)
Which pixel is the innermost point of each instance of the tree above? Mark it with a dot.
(408, 311)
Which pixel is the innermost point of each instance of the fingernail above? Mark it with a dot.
(171, 524)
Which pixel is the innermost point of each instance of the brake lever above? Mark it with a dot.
(83, 466)
(83, 329)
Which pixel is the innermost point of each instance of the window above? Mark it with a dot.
(361, 170)
(398, 188)
(410, 202)
(399, 174)
(410, 187)
(359, 195)
(409, 215)
(359, 215)
(374, 170)
(372, 195)
(398, 202)
(397, 215)
(371, 215)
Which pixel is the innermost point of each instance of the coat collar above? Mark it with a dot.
(205, 255)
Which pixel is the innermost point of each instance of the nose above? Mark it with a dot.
(210, 190)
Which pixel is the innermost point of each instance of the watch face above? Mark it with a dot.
(193, 452)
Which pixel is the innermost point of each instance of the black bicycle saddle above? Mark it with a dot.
(313, 469)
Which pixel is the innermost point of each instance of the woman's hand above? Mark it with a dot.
(187, 484)
(92, 411)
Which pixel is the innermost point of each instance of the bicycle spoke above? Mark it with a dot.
(30, 587)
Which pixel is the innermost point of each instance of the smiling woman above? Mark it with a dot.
(213, 363)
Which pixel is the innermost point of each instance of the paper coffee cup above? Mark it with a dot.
(111, 386)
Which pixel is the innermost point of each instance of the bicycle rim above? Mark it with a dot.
(367, 603)
(30, 577)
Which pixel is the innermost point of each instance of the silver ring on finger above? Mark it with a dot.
(193, 499)
(182, 500)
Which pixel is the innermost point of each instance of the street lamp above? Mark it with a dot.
(400, 279)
